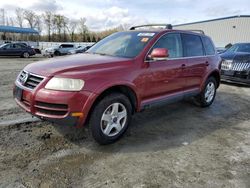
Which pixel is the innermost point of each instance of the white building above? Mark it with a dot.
(222, 30)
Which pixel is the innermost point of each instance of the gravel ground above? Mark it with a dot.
(179, 145)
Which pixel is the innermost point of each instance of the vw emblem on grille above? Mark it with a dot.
(25, 77)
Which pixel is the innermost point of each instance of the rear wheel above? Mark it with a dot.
(110, 118)
(208, 93)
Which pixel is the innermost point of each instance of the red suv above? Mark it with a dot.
(122, 74)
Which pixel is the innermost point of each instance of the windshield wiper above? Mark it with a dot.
(99, 53)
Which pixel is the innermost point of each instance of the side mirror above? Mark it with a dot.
(159, 54)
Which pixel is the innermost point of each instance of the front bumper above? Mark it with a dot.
(61, 107)
(241, 77)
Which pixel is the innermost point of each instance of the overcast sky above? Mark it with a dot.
(105, 14)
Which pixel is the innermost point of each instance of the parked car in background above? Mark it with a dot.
(220, 50)
(37, 50)
(16, 49)
(79, 49)
(58, 50)
(124, 73)
(235, 65)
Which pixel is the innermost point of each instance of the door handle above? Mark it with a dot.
(207, 64)
(183, 65)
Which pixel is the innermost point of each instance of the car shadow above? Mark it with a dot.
(16, 57)
(169, 126)
(235, 84)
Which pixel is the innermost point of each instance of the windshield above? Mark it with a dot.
(122, 44)
(240, 48)
(2, 45)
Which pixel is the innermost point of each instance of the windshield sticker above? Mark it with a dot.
(144, 39)
(146, 34)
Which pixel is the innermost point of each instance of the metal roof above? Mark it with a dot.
(11, 29)
(217, 19)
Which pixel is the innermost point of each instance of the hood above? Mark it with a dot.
(232, 55)
(243, 58)
(73, 63)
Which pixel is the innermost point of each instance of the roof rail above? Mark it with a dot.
(196, 30)
(167, 26)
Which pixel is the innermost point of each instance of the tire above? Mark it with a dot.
(57, 53)
(105, 124)
(26, 55)
(208, 93)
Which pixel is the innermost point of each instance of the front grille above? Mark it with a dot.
(51, 112)
(240, 66)
(50, 105)
(26, 103)
(29, 80)
(51, 108)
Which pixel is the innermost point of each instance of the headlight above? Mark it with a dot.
(226, 64)
(65, 84)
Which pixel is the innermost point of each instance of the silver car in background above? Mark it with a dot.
(62, 49)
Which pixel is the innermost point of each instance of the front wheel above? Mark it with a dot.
(57, 53)
(26, 55)
(208, 93)
(110, 118)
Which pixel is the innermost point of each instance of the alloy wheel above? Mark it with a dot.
(26, 54)
(113, 119)
(209, 92)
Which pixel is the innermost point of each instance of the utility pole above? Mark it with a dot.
(2, 14)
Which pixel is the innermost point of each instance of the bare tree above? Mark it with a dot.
(65, 26)
(123, 27)
(48, 22)
(39, 23)
(20, 16)
(58, 21)
(11, 21)
(83, 28)
(7, 21)
(72, 28)
(31, 17)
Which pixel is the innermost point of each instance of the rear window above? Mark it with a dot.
(208, 45)
(192, 45)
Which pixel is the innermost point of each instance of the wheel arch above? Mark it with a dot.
(216, 75)
(120, 88)
(57, 52)
(124, 89)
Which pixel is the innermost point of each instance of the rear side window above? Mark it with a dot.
(67, 46)
(192, 45)
(18, 46)
(208, 45)
(172, 42)
(9, 46)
